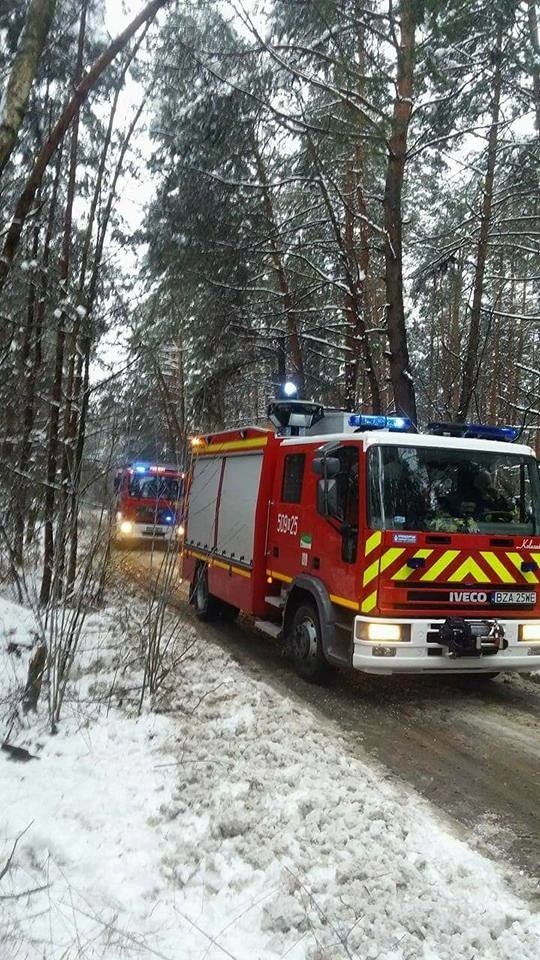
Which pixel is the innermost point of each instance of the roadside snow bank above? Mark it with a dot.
(239, 826)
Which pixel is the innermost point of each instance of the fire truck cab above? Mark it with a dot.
(149, 500)
(366, 545)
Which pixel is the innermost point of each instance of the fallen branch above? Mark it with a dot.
(9, 860)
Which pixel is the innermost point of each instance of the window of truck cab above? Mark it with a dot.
(293, 476)
(453, 491)
(152, 487)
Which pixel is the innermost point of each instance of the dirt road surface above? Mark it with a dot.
(471, 748)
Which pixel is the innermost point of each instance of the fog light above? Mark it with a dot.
(126, 527)
(530, 632)
(383, 652)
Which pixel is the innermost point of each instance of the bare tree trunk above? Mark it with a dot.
(470, 372)
(77, 428)
(28, 379)
(52, 544)
(26, 199)
(52, 458)
(535, 44)
(69, 427)
(356, 299)
(21, 77)
(400, 376)
(455, 335)
(284, 287)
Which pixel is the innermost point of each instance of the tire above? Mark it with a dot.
(226, 611)
(206, 605)
(304, 641)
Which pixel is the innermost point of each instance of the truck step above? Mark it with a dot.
(269, 627)
(276, 602)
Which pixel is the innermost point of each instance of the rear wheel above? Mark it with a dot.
(304, 640)
(206, 605)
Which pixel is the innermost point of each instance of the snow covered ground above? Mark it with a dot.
(233, 823)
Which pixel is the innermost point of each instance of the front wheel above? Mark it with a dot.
(304, 640)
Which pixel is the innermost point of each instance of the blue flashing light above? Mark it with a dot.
(476, 431)
(139, 468)
(368, 421)
(168, 518)
(487, 432)
(399, 423)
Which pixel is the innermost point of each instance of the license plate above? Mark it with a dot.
(514, 596)
(153, 532)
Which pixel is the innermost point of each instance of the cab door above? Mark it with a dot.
(335, 541)
(286, 516)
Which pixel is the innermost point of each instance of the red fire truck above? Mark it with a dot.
(364, 544)
(149, 501)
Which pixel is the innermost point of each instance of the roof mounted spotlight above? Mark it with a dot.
(291, 417)
(288, 390)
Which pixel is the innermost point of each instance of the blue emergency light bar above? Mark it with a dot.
(474, 431)
(368, 421)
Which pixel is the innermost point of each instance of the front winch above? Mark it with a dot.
(458, 636)
(466, 638)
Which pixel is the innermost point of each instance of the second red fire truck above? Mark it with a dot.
(149, 500)
(366, 545)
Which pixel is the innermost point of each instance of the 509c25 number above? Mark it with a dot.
(287, 524)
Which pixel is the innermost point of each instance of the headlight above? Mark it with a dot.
(181, 530)
(382, 632)
(126, 527)
(530, 632)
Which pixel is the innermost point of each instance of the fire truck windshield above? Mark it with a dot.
(423, 488)
(146, 487)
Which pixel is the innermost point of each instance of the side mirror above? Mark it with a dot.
(327, 497)
(326, 466)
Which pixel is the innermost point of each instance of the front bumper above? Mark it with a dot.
(416, 655)
(148, 531)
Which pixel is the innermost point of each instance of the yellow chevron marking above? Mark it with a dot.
(517, 560)
(469, 568)
(441, 564)
(497, 566)
(405, 571)
(381, 564)
(369, 602)
(370, 573)
(372, 542)
(388, 558)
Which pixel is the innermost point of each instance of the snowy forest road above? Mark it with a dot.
(473, 750)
